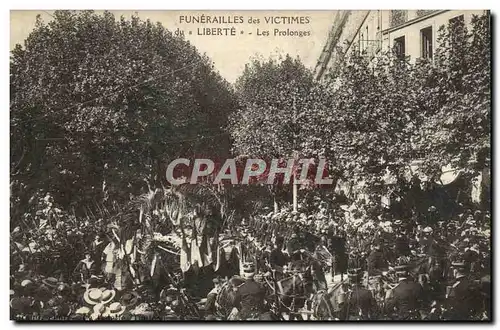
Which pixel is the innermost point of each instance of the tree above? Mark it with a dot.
(387, 113)
(277, 98)
(458, 132)
(99, 104)
(373, 115)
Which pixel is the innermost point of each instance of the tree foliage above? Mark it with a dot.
(274, 98)
(99, 103)
(373, 118)
(458, 130)
(388, 113)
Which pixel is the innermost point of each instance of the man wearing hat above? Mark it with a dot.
(294, 245)
(86, 267)
(471, 258)
(462, 297)
(360, 301)
(405, 300)
(250, 296)
(210, 304)
(277, 257)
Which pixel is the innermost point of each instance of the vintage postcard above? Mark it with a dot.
(250, 165)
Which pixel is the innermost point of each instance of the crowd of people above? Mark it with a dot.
(270, 266)
(396, 269)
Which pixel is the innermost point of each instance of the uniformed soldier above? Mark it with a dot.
(462, 298)
(360, 302)
(277, 258)
(405, 301)
(250, 295)
(294, 245)
(471, 258)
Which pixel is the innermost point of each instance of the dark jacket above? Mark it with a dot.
(402, 246)
(277, 258)
(361, 299)
(250, 298)
(471, 259)
(408, 297)
(376, 263)
(463, 299)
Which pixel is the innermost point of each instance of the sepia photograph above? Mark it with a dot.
(232, 165)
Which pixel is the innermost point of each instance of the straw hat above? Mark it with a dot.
(51, 281)
(83, 310)
(114, 310)
(95, 296)
(427, 230)
(108, 295)
(98, 311)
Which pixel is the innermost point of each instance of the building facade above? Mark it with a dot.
(409, 33)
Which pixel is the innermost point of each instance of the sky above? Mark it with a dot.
(229, 53)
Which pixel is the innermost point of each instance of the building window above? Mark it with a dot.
(426, 37)
(399, 47)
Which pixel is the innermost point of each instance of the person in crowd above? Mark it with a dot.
(360, 301)
(277, 258)
(377, 264)
(471, 258)
(463, 296)
(406, 300)
(250, 295)
(402, 242)
(86, 268)
(210, 305)
(97, 248)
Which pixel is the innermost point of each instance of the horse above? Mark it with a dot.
(225, 301)
(226, 298)
(429, 272)
(328, 305)
(293, 291)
